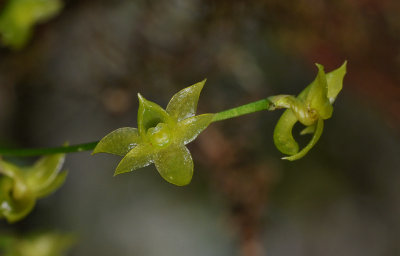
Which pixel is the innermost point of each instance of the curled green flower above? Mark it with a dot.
(19, 16)
(311, 107)
(20, 187)
(161, 137)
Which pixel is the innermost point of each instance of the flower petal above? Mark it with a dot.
(317, 95)
(149, 115)
(140, 156)
(175, 164)
(184, 103)
(283, 137)
(118, 142)
(190, 128)
(310, 145)
(44, 171)
(53, 186)
(335, 81)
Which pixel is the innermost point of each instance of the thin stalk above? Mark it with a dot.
(249, 108)
(47, 151)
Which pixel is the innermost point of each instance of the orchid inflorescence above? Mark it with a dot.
(162, 136)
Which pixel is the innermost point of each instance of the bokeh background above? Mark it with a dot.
(78, 78)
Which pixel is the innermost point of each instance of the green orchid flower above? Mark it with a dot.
(20, 187)
(161, 137)
(311, 107)
(19, 16)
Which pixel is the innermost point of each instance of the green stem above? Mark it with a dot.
(249, 108)
(47, 151)
(223, 115)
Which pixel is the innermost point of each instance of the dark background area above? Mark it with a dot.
(78, 78)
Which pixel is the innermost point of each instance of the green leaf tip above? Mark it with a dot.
(20, 187)
(161, 137)
(310, 107)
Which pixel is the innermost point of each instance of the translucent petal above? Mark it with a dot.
(118, 142)
(317, 96)
(184, 103)
(175, 164)
(335, 81)
(283, 137)
(44, 171)
(310, 145)
(149, 115)
(190, 128)
(140, 156)
(53, 186)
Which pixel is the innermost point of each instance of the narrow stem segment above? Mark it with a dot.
(47, 151)
(223, 115)
(243, 110)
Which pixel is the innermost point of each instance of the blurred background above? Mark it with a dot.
(77, 79)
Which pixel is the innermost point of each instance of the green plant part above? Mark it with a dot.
(161, 137)
(19, 16)
(42, 244)
(20, 187)
(311, 107)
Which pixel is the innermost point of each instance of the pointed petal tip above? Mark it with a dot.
(287, 158)
(117, 172)
(319, 66)
(344, 65)
(120, 170)
(201, 83)
(95, 151)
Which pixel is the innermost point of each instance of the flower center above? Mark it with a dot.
(160, 135)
